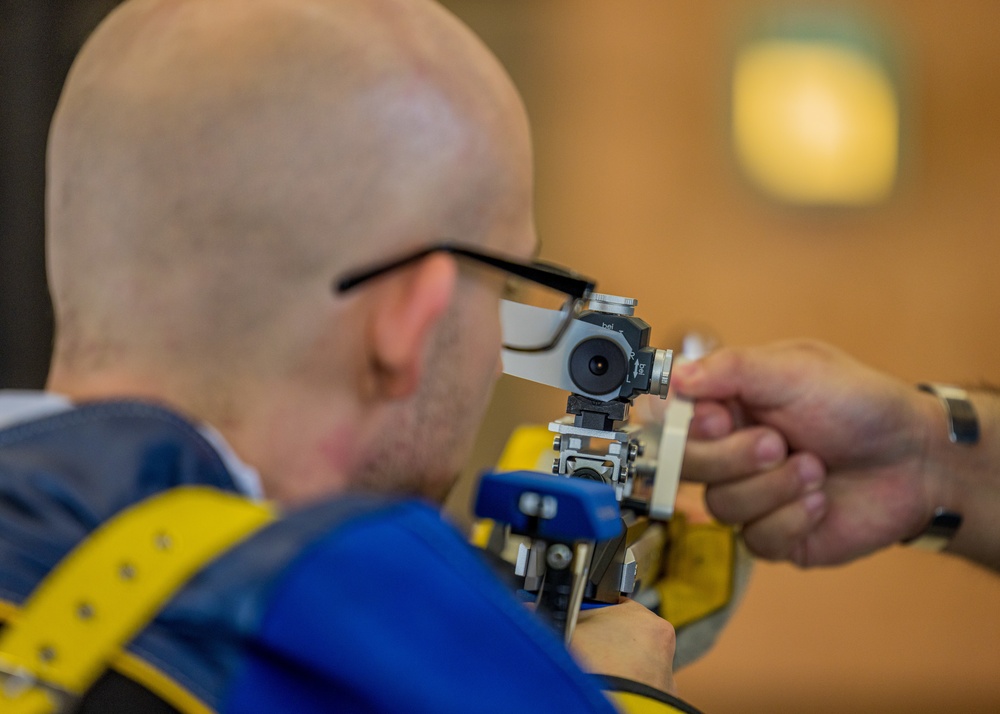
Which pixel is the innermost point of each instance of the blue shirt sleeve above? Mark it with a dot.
(393, 612)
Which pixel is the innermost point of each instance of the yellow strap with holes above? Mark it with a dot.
(108, 588)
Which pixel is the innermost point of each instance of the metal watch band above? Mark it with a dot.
(963, 424)
(963, 428)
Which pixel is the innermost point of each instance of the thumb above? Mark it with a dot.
(719, 375)
(755, 377)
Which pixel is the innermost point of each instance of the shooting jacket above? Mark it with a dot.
(359, 604)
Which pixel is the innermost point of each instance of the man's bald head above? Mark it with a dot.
(214, 163)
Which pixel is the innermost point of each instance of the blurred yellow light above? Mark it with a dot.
(815, 122)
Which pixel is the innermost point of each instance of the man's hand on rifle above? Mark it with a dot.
(628, 641)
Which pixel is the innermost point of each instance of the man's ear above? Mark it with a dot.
(404, 319)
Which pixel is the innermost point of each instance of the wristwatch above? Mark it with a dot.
(963, 428)
(963, 425)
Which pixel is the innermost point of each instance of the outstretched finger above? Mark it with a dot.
(752, 498)
(735, 456)
(783, 534)
(711, 420)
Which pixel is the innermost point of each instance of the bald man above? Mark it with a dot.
(215, 166)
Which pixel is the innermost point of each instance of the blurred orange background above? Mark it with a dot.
(638, 185)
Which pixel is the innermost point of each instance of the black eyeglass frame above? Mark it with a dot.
(576, 287)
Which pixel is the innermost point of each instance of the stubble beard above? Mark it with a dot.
(422, 453)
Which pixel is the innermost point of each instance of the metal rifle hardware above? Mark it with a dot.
(604, 360)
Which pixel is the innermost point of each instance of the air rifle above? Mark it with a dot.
(595, 532)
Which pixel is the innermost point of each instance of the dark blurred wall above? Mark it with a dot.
(38, 40)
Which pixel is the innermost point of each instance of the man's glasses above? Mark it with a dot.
(536, 284)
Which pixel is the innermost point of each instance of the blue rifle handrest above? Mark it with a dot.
(586, 510)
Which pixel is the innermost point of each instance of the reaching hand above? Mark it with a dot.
(821, 458)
